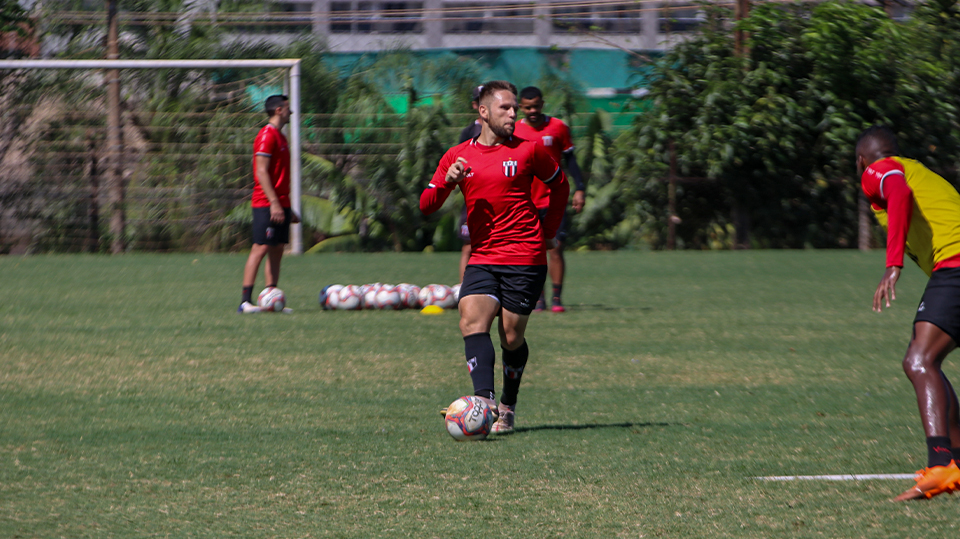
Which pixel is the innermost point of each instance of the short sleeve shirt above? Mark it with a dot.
(271, 143)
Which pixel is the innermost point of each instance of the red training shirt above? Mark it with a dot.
(271, 143)
(504, 225)
(555, 137)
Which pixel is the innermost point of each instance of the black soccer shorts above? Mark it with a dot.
(940, 304)
(266, 232)
(517, 288)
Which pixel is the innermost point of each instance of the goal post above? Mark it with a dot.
(292, 81)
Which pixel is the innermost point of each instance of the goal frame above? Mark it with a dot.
(291, 88)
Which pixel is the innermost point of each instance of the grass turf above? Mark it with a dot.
(134, 402)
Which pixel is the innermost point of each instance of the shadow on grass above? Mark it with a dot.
(595, 426)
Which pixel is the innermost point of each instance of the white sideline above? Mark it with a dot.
(866, 477)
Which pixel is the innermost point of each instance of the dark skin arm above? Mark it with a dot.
(886, 290)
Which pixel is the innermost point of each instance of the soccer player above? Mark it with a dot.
(495, 172)
(554, 135)
(469, 132)
(921, 213)
(271, 200)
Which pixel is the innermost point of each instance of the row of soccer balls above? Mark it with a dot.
(388, 297)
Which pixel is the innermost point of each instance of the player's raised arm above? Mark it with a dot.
(449, 173)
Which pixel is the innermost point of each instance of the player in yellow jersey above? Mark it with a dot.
(921, 213)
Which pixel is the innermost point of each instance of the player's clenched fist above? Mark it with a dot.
(458, 171)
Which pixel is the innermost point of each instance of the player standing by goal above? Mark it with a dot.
(495, 171)
(271, 200)
(555, 137)
(921, 213)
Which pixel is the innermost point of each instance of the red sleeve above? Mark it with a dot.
(548, 171)
(265, 143)
(885, 186)
(439, 189)
(899, 212)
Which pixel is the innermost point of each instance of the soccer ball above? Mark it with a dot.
(409, 295)
(348, 298)
(271, 300)
(469, 418)
(437, 294)
(387, 298)
(368, 296)
(330, 296)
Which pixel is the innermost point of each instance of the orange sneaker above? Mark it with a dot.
(933, 481)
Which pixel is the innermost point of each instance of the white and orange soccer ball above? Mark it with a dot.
(271, 300)
(348, 298)
(368, 295)
(330, 296)
(409, 295)
(387, 298)
(437, 294)
(469, 419)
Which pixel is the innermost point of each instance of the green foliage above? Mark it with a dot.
(772, 131)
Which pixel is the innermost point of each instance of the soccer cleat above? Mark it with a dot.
(933, 481)
(504, 424)
(557, 306)
(247, 308)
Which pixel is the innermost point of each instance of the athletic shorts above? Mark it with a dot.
(940, 304)
(562, 231)
(464, 233)
(266, 232)
(517, 288)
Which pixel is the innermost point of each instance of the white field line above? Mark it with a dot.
(867, 477)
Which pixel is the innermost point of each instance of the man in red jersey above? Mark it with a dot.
(921, 212)
(554, 136)
(271, 200)
(495, 171)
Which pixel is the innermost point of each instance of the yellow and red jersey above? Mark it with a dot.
(919, 209)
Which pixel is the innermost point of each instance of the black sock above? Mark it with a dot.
(557, 290)
(513, 363)
(956, 454)
(274, 285)
(247, 294)
(481, 358)
(938, 451)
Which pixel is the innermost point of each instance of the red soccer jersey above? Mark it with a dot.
(554, 136)
(504, 226)
(271, 143)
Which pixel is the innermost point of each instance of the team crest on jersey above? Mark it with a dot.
(547, 140)
(509, 168)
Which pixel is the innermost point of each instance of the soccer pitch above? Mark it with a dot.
(135, 402)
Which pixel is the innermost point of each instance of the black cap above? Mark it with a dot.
(476, 92)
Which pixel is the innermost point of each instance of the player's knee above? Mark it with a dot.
(469, 327)
(512, 339)
(918, 362)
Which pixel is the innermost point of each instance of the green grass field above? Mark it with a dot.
(135, 402)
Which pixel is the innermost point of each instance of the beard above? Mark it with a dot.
(501, 130)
